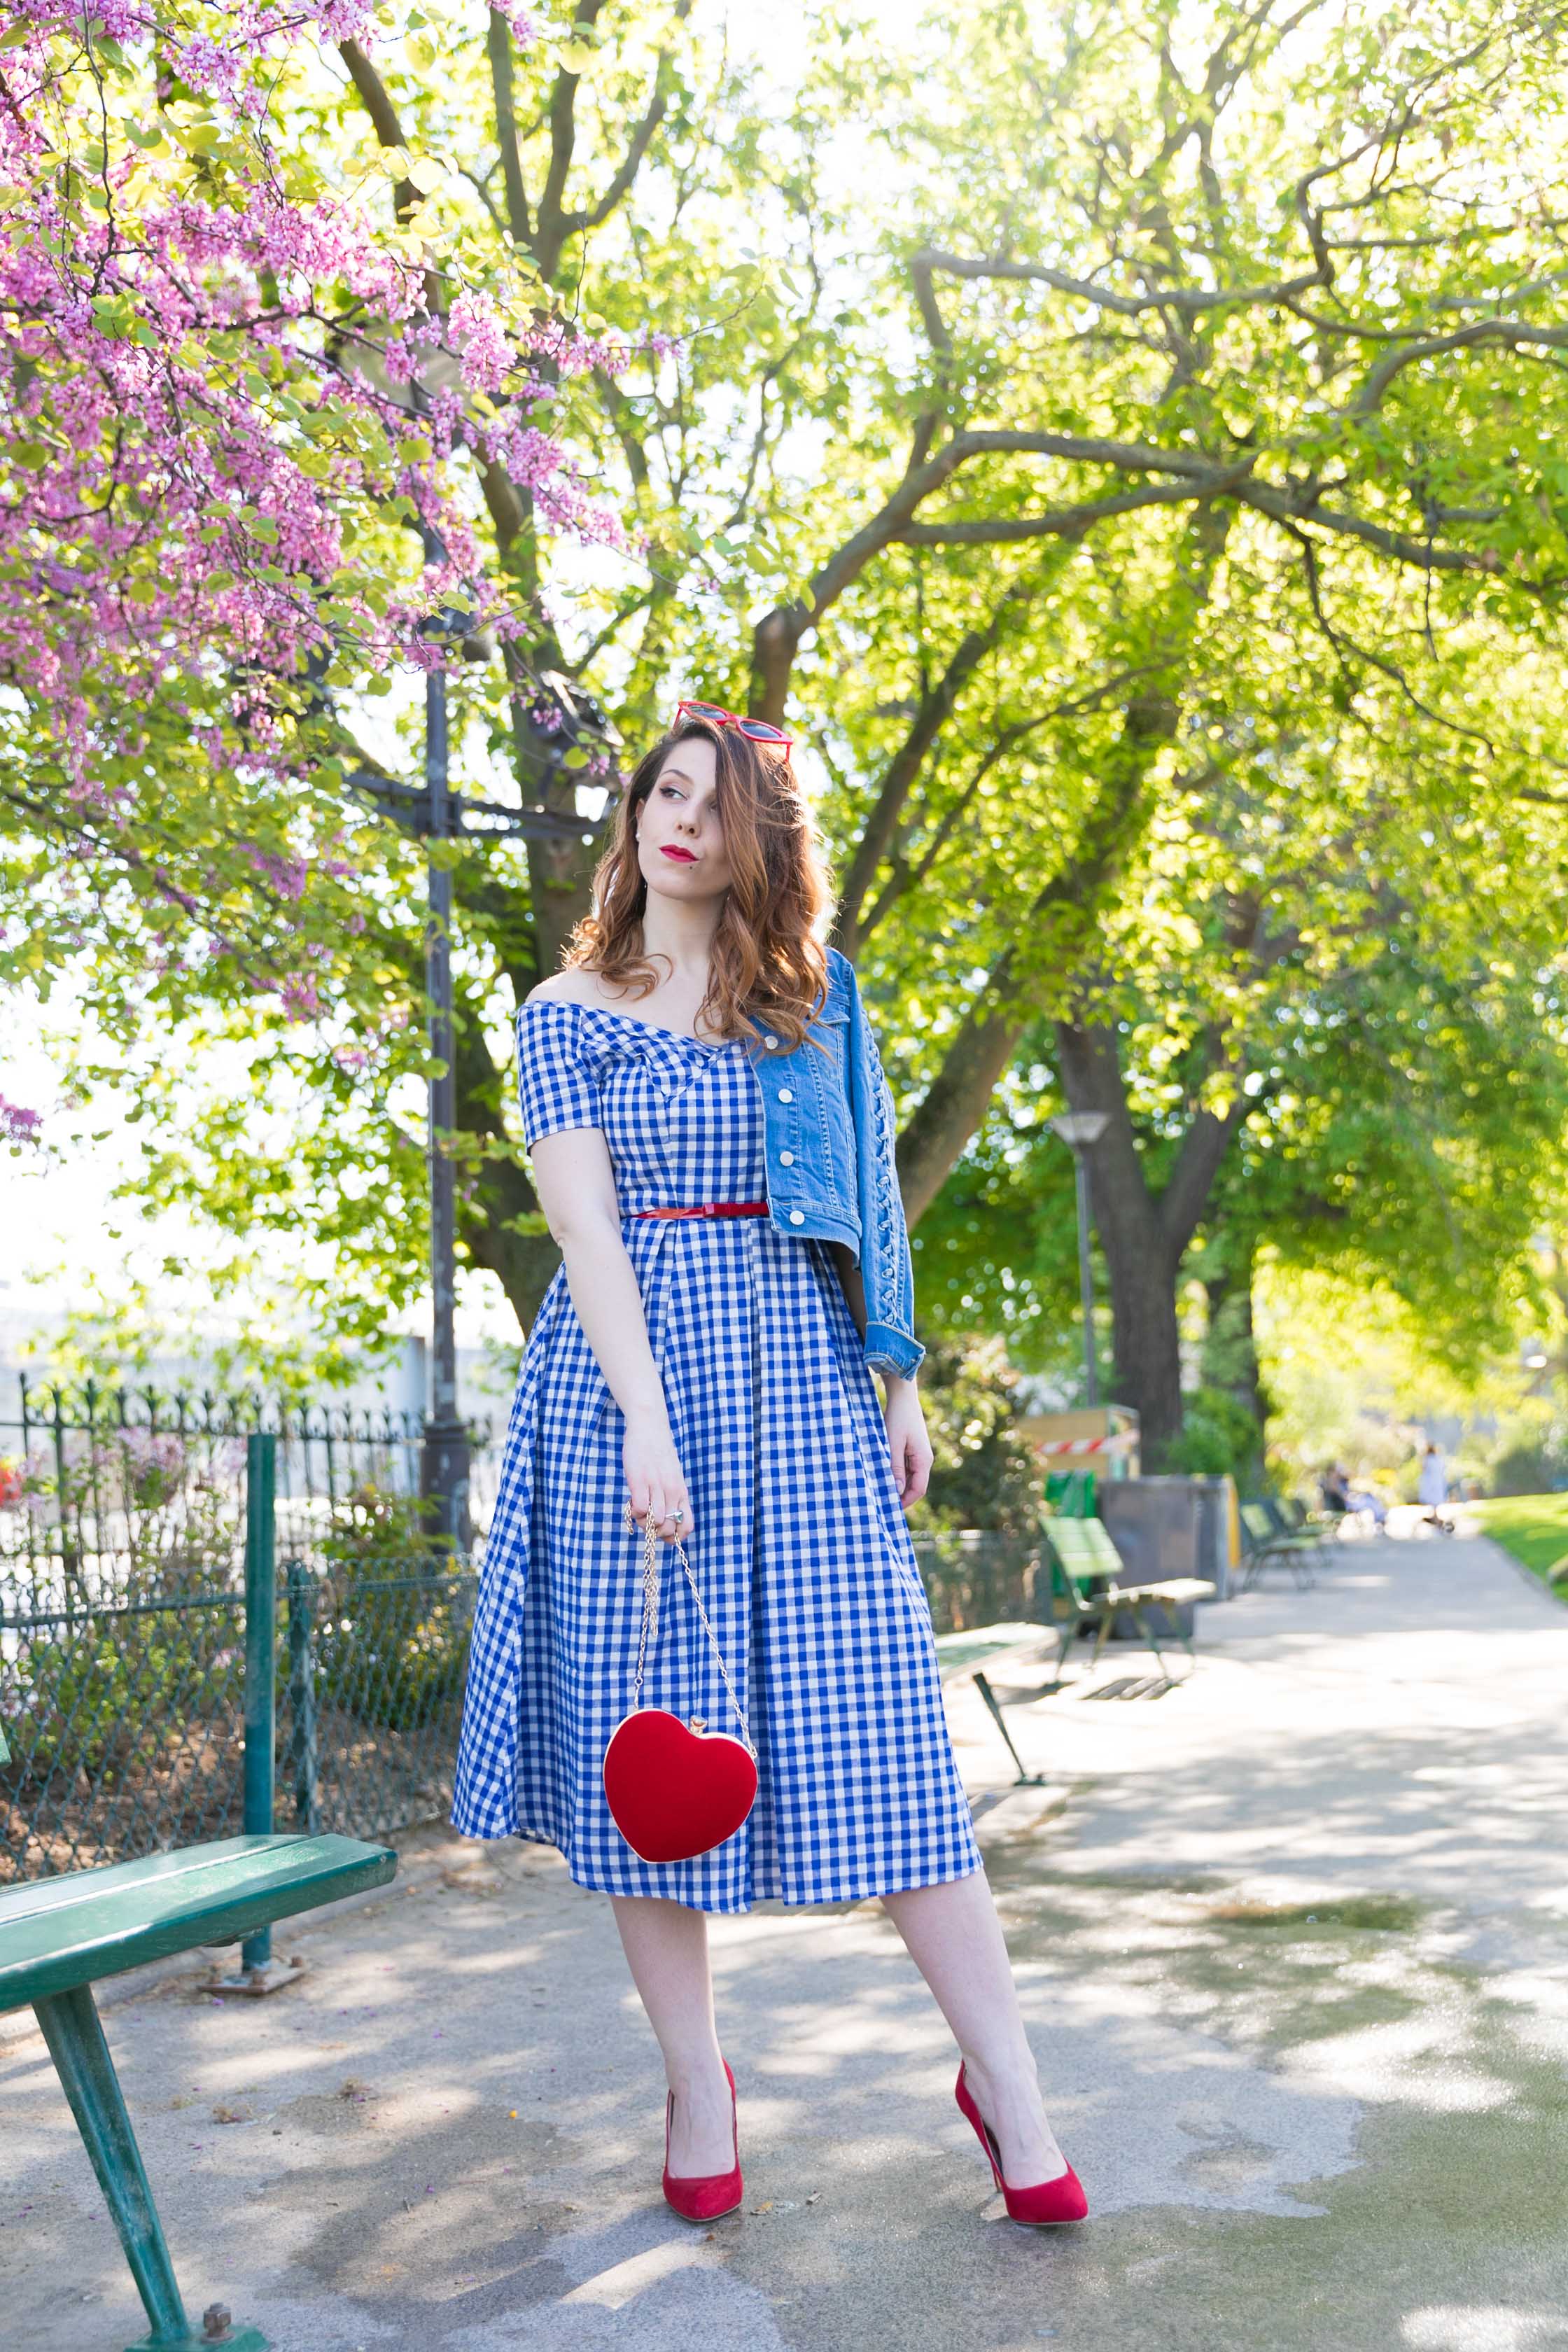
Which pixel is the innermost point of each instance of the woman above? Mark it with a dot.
(710, 1374)
(1432, 1490)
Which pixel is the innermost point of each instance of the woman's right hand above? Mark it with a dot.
(655, 1480)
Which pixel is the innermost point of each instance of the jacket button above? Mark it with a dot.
(784, 1095)
(770, 1041)
(786, 1160)
(797, 1216)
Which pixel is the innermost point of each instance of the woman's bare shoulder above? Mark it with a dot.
(572, 986)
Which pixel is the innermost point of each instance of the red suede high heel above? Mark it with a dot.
(1062, 2200)
(704, 2196)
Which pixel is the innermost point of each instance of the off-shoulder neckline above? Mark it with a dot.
(654, 1028)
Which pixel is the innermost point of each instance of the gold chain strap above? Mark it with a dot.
(650, 1584)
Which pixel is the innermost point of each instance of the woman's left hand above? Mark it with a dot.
(907, 1439)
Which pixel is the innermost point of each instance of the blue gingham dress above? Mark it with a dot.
(800, 1550)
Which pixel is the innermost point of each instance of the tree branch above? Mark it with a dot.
(1060, 523)
(1189, 301)
(1063, 913)
(497, 45)
(642, 140)
(1199, 1156)
(900, 882)
(1304, 507)
(1511, 334)
(936, 705)
(555, 225)
(383, 121)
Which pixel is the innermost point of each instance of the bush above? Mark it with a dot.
(1219, 1435)
(377, 1524)
(1526, 1469)
(391, 1649)
(984, 1475)
(98, 1699)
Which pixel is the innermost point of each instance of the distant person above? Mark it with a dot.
(1367, 1505)
(1334, 1487)
(1432, 1490)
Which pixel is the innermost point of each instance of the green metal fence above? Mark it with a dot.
(147, 1639)
(371, 1670)
(109, 1485)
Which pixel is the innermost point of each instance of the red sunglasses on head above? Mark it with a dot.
(755, 730)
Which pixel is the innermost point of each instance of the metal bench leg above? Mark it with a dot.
(70, 2025)
(1025, 1779)
(1141, 1619)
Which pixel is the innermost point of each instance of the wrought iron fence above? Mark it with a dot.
(106, 1486)
(128, 1590)
(372, 1658)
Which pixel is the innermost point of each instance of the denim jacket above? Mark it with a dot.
(828, 1139)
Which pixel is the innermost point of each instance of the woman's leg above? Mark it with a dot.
(954, 1939)
(667, 1949)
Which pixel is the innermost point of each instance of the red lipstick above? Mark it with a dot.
(685, 856)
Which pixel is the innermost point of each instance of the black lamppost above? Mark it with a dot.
(1078, 1131)
(444, 1459)
(432, 814)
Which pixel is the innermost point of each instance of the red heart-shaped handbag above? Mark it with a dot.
(676, 1790)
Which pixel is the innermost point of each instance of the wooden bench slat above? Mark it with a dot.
(73, 1886)
(960, 1654)
(136, 1913)
(1179, 1591)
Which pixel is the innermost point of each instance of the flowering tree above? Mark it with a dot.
(242, 410)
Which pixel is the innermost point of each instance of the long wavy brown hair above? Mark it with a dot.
(767, 958)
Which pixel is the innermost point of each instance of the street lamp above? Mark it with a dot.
(577, 726)
(1079, 1130)
(444, 1465)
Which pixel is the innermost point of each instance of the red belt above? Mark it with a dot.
(710, 1209)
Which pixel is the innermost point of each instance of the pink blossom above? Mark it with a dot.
(209, 387)
(19, 1126)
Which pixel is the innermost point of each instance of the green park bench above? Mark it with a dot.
(1094, 1588)
(1090, 1588)
(59, 1936)
(1267, 1542)
(963, 1658)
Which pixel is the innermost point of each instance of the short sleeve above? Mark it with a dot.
(557, 1084)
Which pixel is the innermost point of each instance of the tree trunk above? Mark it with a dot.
(1144, 1235)
(1145, 1339)
(1230, 1347)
